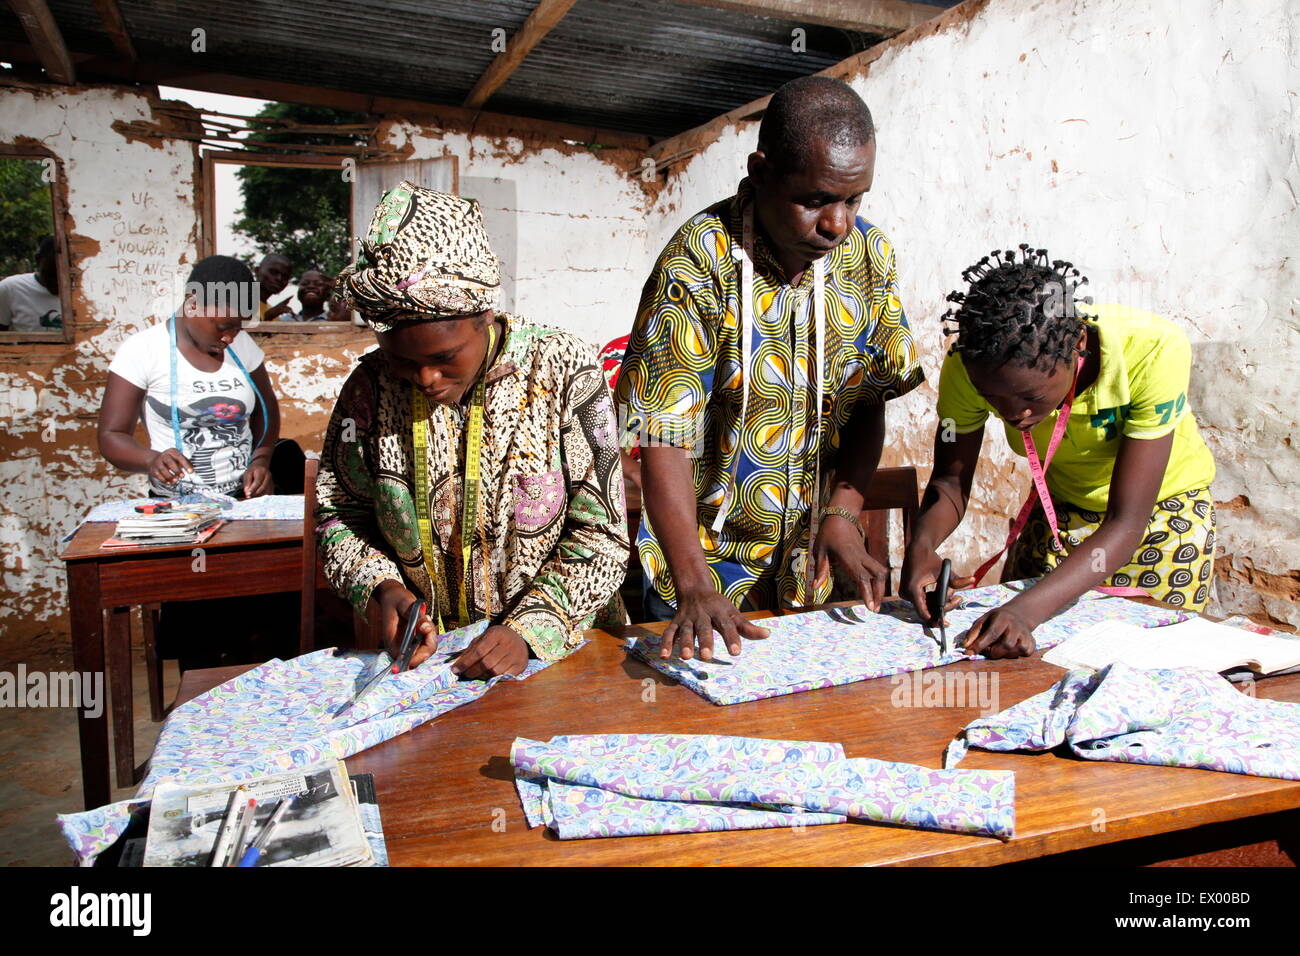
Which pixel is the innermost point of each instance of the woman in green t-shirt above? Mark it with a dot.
(1129, 479)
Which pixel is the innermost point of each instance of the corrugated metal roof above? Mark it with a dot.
(662, 68)
(656, 68)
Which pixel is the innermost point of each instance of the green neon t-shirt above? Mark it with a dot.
(1140, 392)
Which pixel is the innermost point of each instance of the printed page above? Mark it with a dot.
(1193, 643)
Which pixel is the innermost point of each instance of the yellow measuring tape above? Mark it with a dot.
(469, 499)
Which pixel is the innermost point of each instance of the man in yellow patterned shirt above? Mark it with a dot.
(768, 339)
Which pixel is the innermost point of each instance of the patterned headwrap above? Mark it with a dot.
(426, 256)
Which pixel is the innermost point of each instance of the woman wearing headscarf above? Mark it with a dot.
(471, 461)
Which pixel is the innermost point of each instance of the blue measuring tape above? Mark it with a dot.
(175, 404)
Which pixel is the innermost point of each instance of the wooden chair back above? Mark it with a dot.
(891, 489)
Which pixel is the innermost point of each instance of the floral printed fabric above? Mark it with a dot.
(640, 784)
(280, 715)
(1166, 717)
(842, 645)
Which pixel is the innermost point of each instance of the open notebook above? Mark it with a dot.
(1193, 643)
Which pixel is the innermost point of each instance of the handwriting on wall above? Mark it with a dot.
(139, 266)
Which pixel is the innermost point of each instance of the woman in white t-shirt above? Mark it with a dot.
(201, 387)
(222, 437)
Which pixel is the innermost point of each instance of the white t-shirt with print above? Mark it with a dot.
(27, 306)
(215, 407)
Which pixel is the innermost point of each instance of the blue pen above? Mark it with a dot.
(258, 847)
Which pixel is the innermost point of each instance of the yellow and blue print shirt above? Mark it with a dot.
(681, 384)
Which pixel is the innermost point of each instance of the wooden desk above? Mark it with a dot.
(442, 786)
(242, 558)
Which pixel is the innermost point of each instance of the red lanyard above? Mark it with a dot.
(1039, 493)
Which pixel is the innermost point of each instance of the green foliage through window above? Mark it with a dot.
(300, 213)
(26, 215)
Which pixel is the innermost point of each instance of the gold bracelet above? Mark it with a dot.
(847, 515)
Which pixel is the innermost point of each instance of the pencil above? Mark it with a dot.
(241, 832)
(258, 847)
(222, 848)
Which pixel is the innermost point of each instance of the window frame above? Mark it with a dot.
(208, 237)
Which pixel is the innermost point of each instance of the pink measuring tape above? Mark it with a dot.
(1039, 493)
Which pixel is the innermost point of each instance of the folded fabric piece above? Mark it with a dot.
(264, 508)
(639, 784)
(842, 645)
(1167, 717)
(280, 715)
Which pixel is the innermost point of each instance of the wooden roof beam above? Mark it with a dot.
(115, 27)
(100, 69)
(885, 17)
(46, 39)
(539, 23)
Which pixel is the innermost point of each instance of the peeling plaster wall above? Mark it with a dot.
(569, 223)
(1153, 145)
(131, 227)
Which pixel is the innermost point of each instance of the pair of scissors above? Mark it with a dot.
(401, 663)
(938, 600)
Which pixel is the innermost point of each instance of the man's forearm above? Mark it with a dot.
(668, 496)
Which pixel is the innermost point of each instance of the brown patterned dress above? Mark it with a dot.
(551, 546)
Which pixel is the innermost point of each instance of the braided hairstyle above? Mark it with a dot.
(1023, 312)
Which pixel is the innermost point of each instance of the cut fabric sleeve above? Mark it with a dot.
(351, 547)
(586, 568)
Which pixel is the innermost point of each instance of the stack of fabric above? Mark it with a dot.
(1167, 717)
(637, 784)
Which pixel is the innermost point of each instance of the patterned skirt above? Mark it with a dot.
(1174, 563)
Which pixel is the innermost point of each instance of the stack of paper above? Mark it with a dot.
(1193, 643)
(323, 827)
(189, 524)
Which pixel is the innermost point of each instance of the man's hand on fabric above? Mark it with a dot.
(839, 542)
(699, 614)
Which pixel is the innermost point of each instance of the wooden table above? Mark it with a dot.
(446, 793)
(242, 558)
